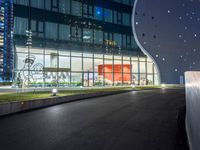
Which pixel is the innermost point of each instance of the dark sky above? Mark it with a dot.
(170, 31)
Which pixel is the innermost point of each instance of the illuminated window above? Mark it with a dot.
(98, 13)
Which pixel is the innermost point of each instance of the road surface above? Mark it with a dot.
(143, 120)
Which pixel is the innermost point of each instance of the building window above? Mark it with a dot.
(37, 3)
(117, 17)
(76, 64)
(150, 67)
(76, 8)
(127, 2)
(51, 30)
(76, 34)
(53, 60)
(64, 32)
(132, 2)
(40, 27)
(37, 28)
(128, 42)
(133, 43)
(20, 25)
(119, 1)
(108, 15)
(33, 25)
(98, 39)
(88, 11)
(142, 67)
(126, 19)
(87, 35)
(55, 5)
(107, 36)
(118, 39)
(98, 13)
(64, 6)
(48, 4)
(124, 41)
(22, 2)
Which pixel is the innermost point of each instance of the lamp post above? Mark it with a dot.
(163, 86)
(54, 92)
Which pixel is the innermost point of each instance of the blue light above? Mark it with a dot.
(98, 11)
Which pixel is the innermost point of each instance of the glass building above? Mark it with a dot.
(77, 43)
(6, 50)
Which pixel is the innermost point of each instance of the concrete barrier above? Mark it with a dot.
(192, 80)
(14, 107)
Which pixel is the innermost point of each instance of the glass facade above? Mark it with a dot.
(67, 67)
(75, 43)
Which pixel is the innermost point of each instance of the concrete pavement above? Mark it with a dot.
(143, 120)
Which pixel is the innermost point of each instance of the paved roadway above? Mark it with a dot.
(145, 120)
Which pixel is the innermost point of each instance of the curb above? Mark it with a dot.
(15, 107)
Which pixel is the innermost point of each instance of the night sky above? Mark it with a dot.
(170, 31)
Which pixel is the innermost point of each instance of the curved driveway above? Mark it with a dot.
(144, 120)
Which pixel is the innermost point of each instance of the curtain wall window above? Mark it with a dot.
(76, 33)
(64, 32)
(119, 1)
(51, 30)
(117, 17)
(98, 39)
(126, 19)
(76, 8)
(98, 13)
(127, 2)
(48, 4)
(37, 3)
(108, 15)
(124, 41)
(33, 25)
(132, 2)
(64, 6)
(87, 35)
(22, 2)
(40, 27)
(20, 25)
(133, 43)
(118, 39)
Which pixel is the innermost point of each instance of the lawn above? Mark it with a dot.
(25, 96)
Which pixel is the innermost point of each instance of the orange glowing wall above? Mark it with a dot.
(117, 72)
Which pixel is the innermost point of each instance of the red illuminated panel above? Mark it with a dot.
(117, 72)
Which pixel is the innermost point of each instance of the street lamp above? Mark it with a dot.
(54, 92)
(163, 85)
(133, 86)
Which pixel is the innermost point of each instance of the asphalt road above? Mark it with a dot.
(145, 120)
